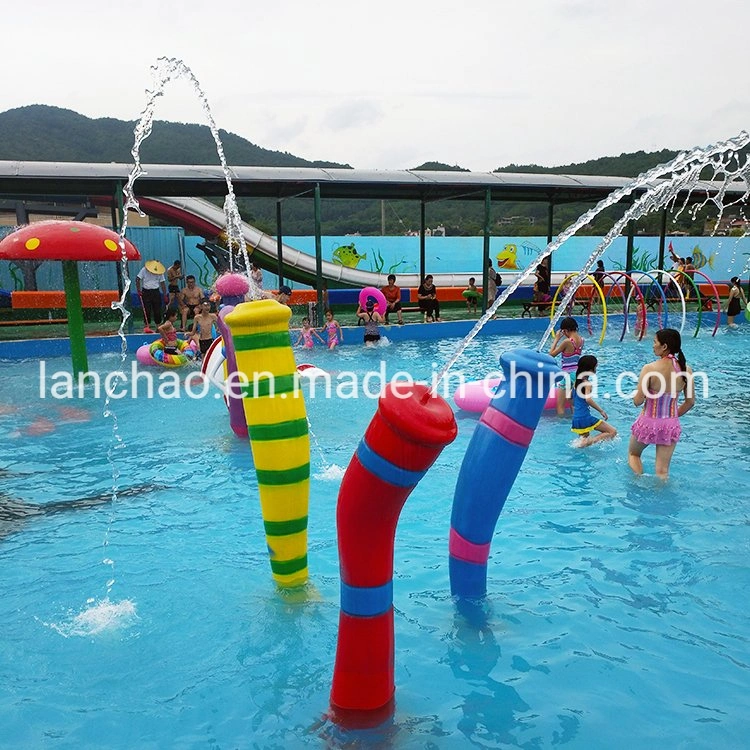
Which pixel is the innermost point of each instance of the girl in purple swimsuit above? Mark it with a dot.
(569, 343)
(659, 387)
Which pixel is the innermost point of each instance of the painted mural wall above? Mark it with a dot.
(719, 258)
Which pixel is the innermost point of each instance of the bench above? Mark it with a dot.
(22, 300)
(528, 304)
(33, 322)
(654, 302)
(404, 310)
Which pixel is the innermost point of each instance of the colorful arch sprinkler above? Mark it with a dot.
(409, 430)
(277, 427)
(68, 241)
(501, 439)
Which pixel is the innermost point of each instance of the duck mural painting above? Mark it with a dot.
(506, 258)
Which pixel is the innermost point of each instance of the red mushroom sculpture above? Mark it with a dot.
(68, 241)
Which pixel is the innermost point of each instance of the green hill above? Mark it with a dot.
(624, 165)
(42, 133)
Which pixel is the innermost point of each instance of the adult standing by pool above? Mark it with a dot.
(428, 301)
(542, 278)
(598, 274)
(152, 288)
(660, 384)
(735, 295)
(189, 300)
(174, 274)
(491, 283)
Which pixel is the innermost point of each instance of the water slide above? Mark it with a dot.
(208, 220)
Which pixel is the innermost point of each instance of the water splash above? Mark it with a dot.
(331, 473)
(98, 618)
(680, 174)
(163, 71)
(683, 174)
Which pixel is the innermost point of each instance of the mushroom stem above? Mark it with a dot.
(75, 318)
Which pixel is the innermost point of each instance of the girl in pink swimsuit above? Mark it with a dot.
(306, 335)
(659, 386)
(333, 331)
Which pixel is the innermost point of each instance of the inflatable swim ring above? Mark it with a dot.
(747, 311)
(154, 354)
(469, 294)
(370, 291)
(310, 372)
(476, 394)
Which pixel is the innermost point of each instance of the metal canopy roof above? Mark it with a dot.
(26, 178)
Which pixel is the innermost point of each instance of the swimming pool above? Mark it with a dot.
(614, 618)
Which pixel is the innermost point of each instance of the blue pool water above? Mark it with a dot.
(615, 615)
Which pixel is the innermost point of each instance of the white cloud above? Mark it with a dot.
(352, 113)
(391, 84)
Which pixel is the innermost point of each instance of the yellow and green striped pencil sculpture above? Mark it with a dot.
(277, 427)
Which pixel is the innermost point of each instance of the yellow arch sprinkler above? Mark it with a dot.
(277, 428)
(601, 298)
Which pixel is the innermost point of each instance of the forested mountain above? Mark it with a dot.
(624, 165)
(44, 133)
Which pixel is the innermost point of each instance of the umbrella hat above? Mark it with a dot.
(154, 266)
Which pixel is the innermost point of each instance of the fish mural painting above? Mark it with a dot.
(347, 256)
(700, 260)
(506, 258)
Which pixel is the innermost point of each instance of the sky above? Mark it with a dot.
(390, 85)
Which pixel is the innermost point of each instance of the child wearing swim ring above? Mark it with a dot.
(333, 331)
(306, 335)
(371, 318)
(660, 384)
(569, 344)
(471, 295)
(169, 332)
(583, 420)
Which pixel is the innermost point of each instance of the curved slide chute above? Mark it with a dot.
(208, 220)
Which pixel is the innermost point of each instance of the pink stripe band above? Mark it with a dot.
(506, 427)
(467, 551)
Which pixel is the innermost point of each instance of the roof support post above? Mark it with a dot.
(422, 263)
(115, 216)
(550, 218)
(118, 219)
(629, 255)
(279, 246)
(662, 237)
(318, 254)
(486, 250)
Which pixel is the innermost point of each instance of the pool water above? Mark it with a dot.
(615, 615)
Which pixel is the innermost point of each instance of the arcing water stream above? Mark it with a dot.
(661, 185)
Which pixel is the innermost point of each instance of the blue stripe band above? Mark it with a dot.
(385, 470)
(366, 602)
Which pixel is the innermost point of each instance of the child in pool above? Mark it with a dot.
(306, 335)
(371, 318)
(583, 420)
(169, 332)
(471, 295)
(734, 307)
(569, 344)
(333, 331)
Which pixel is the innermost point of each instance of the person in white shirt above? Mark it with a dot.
(152, 288)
